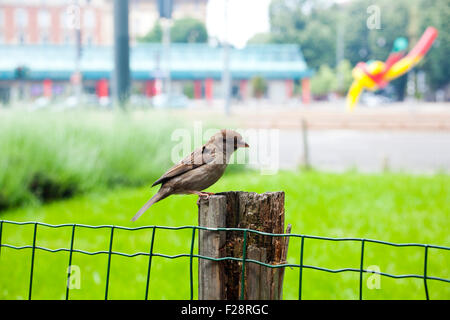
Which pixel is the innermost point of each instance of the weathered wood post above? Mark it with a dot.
(221, 280)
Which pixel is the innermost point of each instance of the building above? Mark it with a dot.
(54, 21)
(37, 70)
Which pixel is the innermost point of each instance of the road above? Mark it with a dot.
(412, 137)
(368, 151)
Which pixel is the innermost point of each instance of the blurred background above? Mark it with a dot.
(292, 52)
(265, 64)
(92, 91)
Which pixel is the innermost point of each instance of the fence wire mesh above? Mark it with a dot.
(191, 255)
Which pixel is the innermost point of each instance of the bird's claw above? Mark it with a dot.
(207, 194)
(200, 196)
(204, 195)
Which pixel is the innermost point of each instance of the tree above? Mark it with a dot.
(313, 24)
(189, 30)
(309, 23)
(154, 35)
(376, 43)
(318, 44)
(344, 77)
(188, 90)
(261, 38)
(437, 62)
(259, 86)
(323, 81)
(185, 30)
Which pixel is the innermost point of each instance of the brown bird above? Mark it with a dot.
(198, 171)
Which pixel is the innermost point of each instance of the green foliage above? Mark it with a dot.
(47, 156)
(399, 208)
(188, 90)
(344, 77)
(363, 44)
(323, 81)
(437, 63)
(315, 31)
(259, 86)
(318, 44)
(189, 30)
(154, 35)
(186, 30)
(327, 80)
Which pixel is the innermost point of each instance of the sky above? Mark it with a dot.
(245, 19)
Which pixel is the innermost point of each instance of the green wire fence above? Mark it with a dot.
(150, 254)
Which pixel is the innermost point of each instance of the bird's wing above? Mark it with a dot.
(197, 158)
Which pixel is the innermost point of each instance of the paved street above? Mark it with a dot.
(371, 151)
(406, 136)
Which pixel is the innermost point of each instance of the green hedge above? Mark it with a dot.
(45, 155)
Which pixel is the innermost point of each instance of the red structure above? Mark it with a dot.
(150, 88)
(209, 89)
(306, 91)
(289, 88)
(47, 84)
(197, 89)
(102, 88)
(243, 84)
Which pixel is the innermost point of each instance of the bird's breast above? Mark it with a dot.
(198, 179)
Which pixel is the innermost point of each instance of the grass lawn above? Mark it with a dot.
(392, 207)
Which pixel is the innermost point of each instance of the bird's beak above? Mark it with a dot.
(243, 144)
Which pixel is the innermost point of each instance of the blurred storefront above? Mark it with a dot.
(273, 72)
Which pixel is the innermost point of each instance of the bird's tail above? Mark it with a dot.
(161, 194)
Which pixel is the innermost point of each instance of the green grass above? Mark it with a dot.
(52, 155)
(47, 155)
(392, 207)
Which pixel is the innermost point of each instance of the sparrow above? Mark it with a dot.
(199, 170)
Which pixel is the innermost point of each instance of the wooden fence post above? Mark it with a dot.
(249, 210)
(212, 215)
